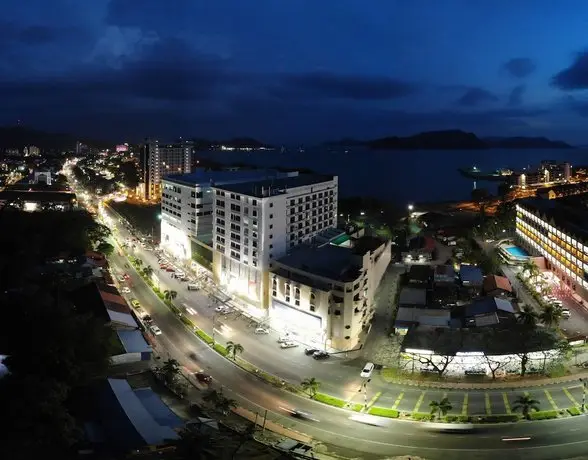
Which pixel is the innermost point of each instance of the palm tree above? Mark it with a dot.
(220, 402)
(139, 262)
(234, 349)
(170, 370)
(527, 316)
(148, 271)
(310, 385)
(525, 404)
(551, 315)
(440, 407)
(530, 268)
(169, 295)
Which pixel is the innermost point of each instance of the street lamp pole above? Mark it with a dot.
(583, 394)
(213, 329)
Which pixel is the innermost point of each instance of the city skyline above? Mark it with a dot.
(296, 72)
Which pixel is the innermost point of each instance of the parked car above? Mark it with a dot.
(135, 303)
(202, 377)
(565, 312)
(147, 319)
(310, 351)
(219, 309)
(288, 344)
(320, 354)
(367, 370)
(284, 338)
(262, 330)
(126, 290)
(155, 329)
(121, 278)
(193, 287)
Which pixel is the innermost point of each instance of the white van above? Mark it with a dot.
(193, 287)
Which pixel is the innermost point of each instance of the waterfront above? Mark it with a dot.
(401, 176)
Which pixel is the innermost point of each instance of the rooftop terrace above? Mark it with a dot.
(272, 187)
(206, 177)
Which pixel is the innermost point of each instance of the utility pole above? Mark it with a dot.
(583, 394)
(264, 420)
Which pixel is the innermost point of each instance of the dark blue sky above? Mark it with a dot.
(295, 70)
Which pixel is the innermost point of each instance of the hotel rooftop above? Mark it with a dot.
(206, 177)
(272, 187)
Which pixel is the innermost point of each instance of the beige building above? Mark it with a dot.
(325, 295)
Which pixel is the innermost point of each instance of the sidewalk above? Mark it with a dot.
(272, 426)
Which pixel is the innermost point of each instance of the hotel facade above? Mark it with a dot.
(557, 230)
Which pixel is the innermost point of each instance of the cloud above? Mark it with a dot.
(516, 95)
(575, 76)
(352, 87)
(476, 96)
(520, 67)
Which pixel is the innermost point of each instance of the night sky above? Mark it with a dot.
(295, 70)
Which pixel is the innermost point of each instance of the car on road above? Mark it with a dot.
(219, 309)
(170, 270)
(126, 290)
(193, 287)
(262, 330)
(565, 313)
(310, 351)
(288, 344)
(121, 278)
(284, 338)
(202, 377)
(155, 329)
(147, 319)
(367, 370)
(299, 414)
(135, 303)
(320, 355)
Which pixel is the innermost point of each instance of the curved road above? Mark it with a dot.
(563, 438)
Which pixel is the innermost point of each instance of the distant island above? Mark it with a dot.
(452, 140)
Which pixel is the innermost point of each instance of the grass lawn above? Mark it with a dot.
(330, 400)
(384, 412)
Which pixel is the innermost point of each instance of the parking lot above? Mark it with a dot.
(477, 402)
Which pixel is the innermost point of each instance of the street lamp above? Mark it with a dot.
(583, 394)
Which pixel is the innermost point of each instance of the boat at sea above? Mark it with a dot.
(499, 175)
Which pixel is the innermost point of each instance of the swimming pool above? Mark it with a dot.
(515, 251)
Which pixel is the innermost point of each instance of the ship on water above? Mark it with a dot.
(499, 175)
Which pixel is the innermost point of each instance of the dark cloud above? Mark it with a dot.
(476, 96)
(575, 76)
(520, 67)
(353, 87)
(516, 95)
(12, 34)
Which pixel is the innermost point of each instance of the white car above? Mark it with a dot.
(288, 344)
(155, 329)
(565, 312)
(262, 330)
(367, 370)
(126, 290)
(284, 339)
(219, 309)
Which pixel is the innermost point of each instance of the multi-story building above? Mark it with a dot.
(325, 293)
(159, 160)
(557, 229)
(548, 171)
(186, 205)
(563, 190)
(257, 222)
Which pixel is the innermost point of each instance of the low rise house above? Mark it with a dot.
(489, 311)
(419, 275)
(407, 317)
(471, 277)
(497, 286)
(412, 297)
(128, 419)
(444, 275)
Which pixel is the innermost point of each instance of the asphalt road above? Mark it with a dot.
(564, 438)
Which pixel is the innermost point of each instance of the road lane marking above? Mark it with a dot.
(516, 439)
(506, 403)
(397, 402)
(419, 401)
(464, 405)
(570, 397)
(487, 404)
(374, 399)
(550, 399)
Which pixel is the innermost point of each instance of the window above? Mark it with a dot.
(297, 293)
(348, 327)
(271, 226)
(297, 302)
(312, 308)
(274, 293)
(271, 216)
(347, 337)
(271, 205)
(337, 312)
(287, 298)
(271, 236)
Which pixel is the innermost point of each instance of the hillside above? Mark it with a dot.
(21, 136)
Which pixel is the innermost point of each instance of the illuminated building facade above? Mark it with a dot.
(186, 206)
(257, 222)
(557, 229)
(325, 294)
(159, 160)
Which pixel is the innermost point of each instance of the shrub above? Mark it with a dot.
(458, 419)
(384, 412)
(330, 400)
(573, 411)
(204, 336)
(544, 415)
(421, 416)
(220, 349)
(502, 418)
(186, 321)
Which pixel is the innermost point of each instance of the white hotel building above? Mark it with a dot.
(257, 222)
(558, 230)
(186, 206)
